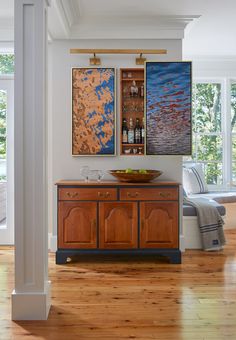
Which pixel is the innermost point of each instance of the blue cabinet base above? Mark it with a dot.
(66, 255)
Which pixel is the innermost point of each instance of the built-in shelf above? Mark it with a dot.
(131, 107)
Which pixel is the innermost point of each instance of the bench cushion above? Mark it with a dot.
(188, 210)
(218, 196)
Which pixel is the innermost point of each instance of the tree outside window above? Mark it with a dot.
(6, 63)
(207, 130)
(6, 67)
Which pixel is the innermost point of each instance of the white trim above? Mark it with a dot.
(7, 235)
(225, 133)
(31, 296)
(31, 306)
(6, 76)
(182, 243)
(52, 242)
(6, 47)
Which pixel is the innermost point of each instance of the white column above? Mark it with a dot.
(31, 296)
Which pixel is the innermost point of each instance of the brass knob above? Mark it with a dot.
(132, 195)
(103, 194)
(72, 195)
(164, 194)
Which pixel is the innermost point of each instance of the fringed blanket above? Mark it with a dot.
(210, 223)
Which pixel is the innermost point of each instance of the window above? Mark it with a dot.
(3, 110)
(6, 68)
(6, 63)
(233, 129)
(214, 131)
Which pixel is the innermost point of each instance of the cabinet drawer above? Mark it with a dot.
(149, 194)
(87, 194)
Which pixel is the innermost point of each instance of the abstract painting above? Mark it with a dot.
(93, 111)
(168, 108)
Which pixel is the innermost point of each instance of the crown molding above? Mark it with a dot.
(139, 27)
(62, 15)
(58, 23)
(71, 10)
(67, 22)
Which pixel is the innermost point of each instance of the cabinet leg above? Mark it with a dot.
(175, 258)
(61, 258)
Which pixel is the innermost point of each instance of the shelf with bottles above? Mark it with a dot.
(132, 111)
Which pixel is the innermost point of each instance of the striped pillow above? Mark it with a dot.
(194, 180)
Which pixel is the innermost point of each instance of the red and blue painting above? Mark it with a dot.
(168, 108)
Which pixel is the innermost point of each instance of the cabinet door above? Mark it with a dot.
(77, 225)
(159, 225)
(118, 224)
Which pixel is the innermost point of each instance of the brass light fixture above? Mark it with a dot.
(95, 60)
(140, 60)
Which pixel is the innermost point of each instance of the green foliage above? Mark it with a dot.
(6, 63)
(3, 110)
(207, 108)
(207, 120)
(233, 107)
(6, 67)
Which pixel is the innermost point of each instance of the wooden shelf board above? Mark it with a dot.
(137, 144)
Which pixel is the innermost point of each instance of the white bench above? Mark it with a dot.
(191, 232)
(3, 198)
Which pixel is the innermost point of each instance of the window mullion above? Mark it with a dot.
(227, 142)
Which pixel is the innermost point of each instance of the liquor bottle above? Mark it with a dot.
(124, 132)
(137, 132)
(131, 132)
(143, 132)
(134, 89)
(142, 90)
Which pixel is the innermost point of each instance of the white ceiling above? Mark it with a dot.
(213, 33)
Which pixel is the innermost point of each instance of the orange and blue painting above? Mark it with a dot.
(168, 108)
(93, 111)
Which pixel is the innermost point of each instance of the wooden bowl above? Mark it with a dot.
(135, 176)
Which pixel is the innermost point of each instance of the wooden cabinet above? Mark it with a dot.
(118, 225)
(158, 225)
(117, 217)
(77, 224)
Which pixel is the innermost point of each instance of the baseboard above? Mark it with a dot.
(52, 242)
(31, 306)
(182, 243)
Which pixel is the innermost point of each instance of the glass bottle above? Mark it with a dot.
(137, 132)
(143, 132)
(131, 132)
(124, 131)
(142, 90)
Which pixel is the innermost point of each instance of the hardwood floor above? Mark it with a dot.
(124, 299)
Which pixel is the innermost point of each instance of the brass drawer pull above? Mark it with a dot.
(164, 194)
(72, 195)
(103, 194)
(132, 195)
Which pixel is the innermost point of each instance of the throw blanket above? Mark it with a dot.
(210, 223)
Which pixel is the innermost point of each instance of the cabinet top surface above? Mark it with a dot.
(115, 183)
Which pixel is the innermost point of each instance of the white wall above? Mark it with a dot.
(61, 164)
(212, 67)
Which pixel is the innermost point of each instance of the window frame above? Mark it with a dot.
(225, 133)
(233, 134)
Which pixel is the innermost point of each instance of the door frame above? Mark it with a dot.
(7, 235)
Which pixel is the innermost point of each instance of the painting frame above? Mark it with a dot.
(187, 150)
(114, 151)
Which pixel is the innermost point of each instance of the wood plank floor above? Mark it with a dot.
(141, 299)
